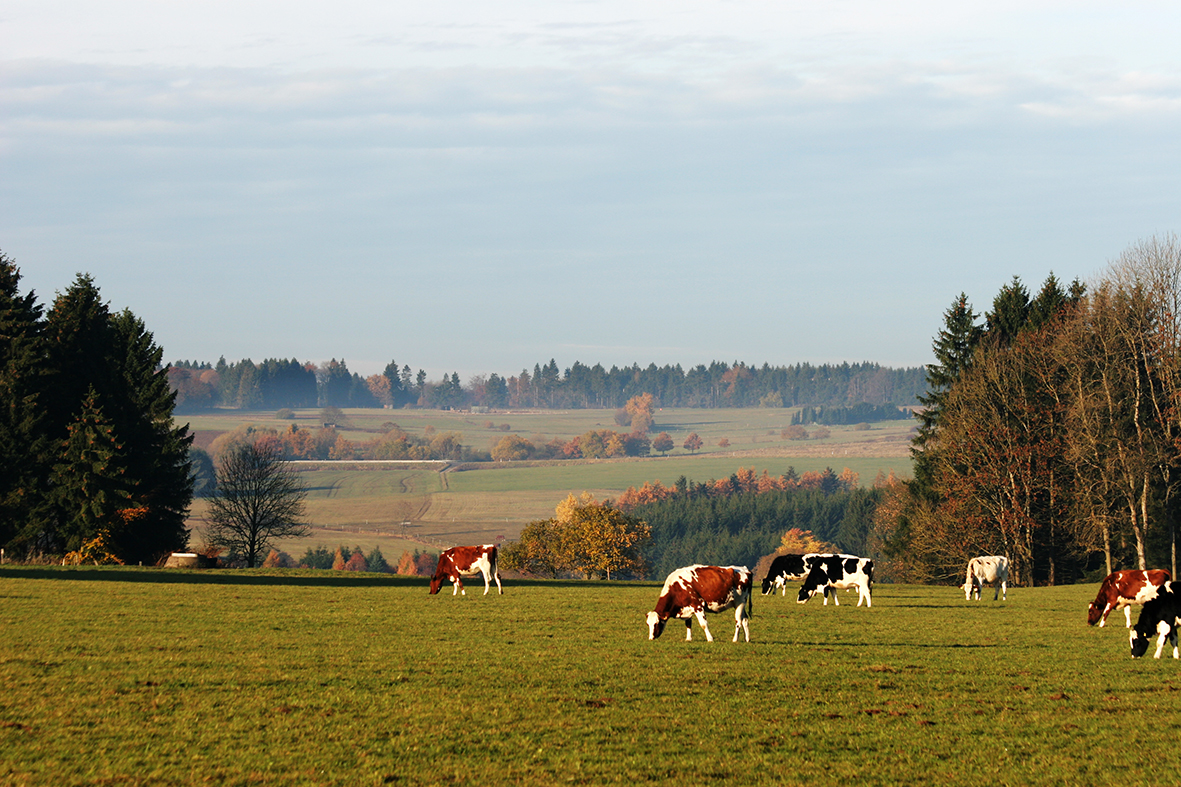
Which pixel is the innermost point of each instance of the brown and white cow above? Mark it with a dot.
(695, 590)
(1122, 589)
(466, 562)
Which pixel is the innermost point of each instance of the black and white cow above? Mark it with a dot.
(1161, 616)
(992, 570)
(695, 590)
(839, 572)
(788, 567)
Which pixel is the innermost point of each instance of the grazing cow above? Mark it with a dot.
(466, 561)
(992, 570)
(1160, 615)
(695, 590)
(788, 567)
(839, 572)
(1122, 589)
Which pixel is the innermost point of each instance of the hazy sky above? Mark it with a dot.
(479, 187)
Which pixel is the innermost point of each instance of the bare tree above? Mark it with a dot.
(1151, 270)
(259, 499)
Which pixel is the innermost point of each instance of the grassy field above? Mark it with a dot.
(156, 677)
(398, 508)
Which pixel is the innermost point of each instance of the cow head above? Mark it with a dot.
(436, 583)
(1093, 614)
(1139, 641)
(806, 593)
(768, 585)
(655, 625)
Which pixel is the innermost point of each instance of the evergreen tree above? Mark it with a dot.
(112, 363)
(158, 451)
(376, 561)
(953, 349)
(1010, 313)
(90, 483)
(25, 444)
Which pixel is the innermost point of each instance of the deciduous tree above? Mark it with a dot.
(259, 499)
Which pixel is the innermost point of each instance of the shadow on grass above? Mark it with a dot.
(871, 645)
(280, 576)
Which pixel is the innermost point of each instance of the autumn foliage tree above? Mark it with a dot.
(1051, 432)
(584, 538)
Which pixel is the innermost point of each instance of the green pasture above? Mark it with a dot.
(158, 677)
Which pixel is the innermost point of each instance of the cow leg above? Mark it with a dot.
(1164, 631)
(741, 621)
(863, 594)
(487, 583)
(836, 601)
(496, 576)
(1128, 616)
(704, 626)
(689, 630)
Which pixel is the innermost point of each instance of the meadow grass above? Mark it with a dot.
(150, 676)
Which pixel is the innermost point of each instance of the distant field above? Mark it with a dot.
(400, 509)
(168, 677)
(754, 429)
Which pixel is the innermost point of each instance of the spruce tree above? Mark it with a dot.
(953, 349)
(25, 444)
(114, 361)
(1010, 313)
(158, 450)
(90, 483)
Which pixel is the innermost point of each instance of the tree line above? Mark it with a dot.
(740, 519)
(1050, 430)
(92, 462)
(277, 383)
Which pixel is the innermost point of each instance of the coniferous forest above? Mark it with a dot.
(276, 383)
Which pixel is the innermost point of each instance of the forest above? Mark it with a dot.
(276, 383)
(740, 519)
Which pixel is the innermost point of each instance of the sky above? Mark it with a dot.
(474, 187)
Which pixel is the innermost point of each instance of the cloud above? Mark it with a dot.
(600, 178)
